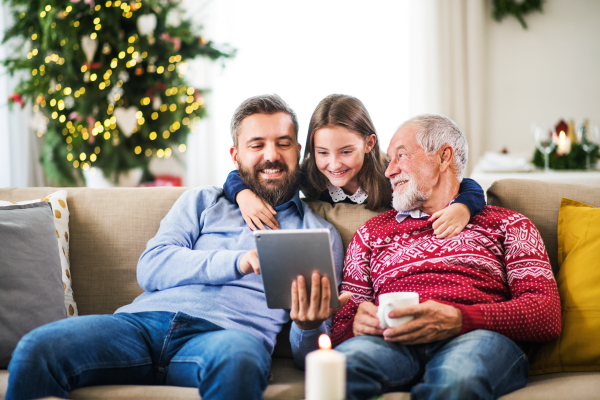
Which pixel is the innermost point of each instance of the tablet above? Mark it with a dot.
(285, 254)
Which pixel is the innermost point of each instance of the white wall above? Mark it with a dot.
(548, 72)
(302, 52)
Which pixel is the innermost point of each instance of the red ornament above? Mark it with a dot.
(16, 98)
(95, 65)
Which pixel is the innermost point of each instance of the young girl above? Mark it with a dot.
(343, 163)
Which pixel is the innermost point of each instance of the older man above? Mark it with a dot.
(202, 320)
(482, 292)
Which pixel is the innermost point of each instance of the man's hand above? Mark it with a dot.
(366, 321)
(311, 315)
(249, 263)
(450, 221)
(433, 322)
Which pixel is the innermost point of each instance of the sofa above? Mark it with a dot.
(109, 229)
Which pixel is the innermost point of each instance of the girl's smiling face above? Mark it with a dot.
(339, 155)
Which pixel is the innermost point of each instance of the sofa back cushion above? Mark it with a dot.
(540, 201)
(346, 218)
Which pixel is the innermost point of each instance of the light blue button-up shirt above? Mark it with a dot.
(192, 266)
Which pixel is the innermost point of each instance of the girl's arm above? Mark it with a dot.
(254, 211)
(450, 221)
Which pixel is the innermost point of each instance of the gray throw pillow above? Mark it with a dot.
(31, 287)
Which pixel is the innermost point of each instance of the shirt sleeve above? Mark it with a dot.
(471, 195)
(170, 259)
(533, 314)
(357, 280)
(233, 185)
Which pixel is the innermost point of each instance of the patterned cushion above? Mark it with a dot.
(58, 200)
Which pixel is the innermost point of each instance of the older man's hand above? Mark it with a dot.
(366, 321)
(433, 322)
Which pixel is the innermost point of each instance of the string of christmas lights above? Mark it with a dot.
(107, 81)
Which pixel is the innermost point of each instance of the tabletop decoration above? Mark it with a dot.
(571, 148)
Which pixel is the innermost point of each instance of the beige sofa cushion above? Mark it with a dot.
(346, 218)
(539, 201)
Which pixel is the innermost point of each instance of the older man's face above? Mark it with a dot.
(267, 156)
(413, 173)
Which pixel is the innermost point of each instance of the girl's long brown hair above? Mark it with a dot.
(350, 113)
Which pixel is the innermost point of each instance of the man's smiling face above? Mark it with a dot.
(267, 156)
(411, 171)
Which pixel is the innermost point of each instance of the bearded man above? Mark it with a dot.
(483, 293)
(202, 320)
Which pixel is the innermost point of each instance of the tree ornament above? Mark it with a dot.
(124, 76)
(126, 119)
(146, 24)
(106, 49)
(89, 46)
(16, 98)
(115, 94)
(175, 40)
(90, 2)
(91, 123)
(69, 102)
(38, 122)
(156, 103)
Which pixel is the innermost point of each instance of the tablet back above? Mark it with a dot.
(285, 254)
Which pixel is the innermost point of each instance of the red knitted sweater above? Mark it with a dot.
(496, 272)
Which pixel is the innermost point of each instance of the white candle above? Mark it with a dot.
(564, 143)
(325, 373)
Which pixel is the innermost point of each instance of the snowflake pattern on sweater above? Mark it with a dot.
(496, 271)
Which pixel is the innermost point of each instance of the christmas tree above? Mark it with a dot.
(107, 81)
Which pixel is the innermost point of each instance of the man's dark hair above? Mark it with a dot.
(263, 104)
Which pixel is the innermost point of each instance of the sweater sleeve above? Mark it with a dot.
(471, 195)
(233, 185)
(357, 280)
(533, 313)
(170, 259)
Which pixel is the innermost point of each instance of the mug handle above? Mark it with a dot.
(382, 313)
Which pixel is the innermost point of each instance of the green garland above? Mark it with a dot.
(575, 159)
(75, 99)
(518, 9)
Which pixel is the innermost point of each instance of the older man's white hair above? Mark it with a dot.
(435, 131)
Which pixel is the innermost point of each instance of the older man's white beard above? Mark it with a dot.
(410, 198)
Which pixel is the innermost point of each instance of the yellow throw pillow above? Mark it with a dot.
(578, 279)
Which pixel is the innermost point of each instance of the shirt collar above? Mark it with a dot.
(414, 213)
(337, 194)
(294, 201)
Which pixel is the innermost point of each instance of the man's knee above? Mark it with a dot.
(41, 344)
(240, 351)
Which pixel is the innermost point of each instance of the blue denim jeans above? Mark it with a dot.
(151, 348)
(477, 365)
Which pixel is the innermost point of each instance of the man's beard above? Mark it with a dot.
(410, 198)
(272, 191)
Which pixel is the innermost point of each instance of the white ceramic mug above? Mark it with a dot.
(390, 301)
